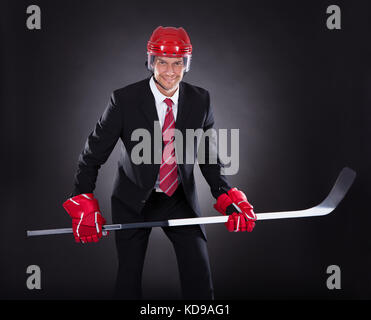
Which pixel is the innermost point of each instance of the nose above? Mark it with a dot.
(170, 69)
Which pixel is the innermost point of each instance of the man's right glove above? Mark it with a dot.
(87, 220)
(237, 221)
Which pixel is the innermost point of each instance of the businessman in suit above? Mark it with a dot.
(156, 190)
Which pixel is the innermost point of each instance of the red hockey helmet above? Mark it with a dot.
(169, 42)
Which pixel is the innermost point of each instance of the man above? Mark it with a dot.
(156, 191)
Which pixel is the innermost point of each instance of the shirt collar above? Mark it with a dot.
(159, 97)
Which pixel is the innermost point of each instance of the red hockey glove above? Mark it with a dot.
(238, 221)
(87, 220)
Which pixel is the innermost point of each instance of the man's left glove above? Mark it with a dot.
(237, 221)
(87, 220)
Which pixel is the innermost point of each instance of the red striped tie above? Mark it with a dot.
(168, 169)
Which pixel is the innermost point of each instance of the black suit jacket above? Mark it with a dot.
(133, 107)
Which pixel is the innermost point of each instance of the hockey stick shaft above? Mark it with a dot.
(337, 193)
(151, 224)
(181, 222)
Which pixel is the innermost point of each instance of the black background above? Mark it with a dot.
(297, 91)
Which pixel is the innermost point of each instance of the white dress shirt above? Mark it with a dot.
(161, 107)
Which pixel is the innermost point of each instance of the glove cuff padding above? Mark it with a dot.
(234, 197)
(81, 204)
(222, 202)
(238, 197)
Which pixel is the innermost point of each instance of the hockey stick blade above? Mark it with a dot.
(337, 193)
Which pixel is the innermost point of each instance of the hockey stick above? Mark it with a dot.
(337, 193)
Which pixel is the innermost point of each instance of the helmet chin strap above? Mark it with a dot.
(154, 78)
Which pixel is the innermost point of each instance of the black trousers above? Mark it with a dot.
(188, 241)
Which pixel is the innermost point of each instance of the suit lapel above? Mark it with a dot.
(148, 105)
(183, 108)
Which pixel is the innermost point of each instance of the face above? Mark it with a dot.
(168, 72)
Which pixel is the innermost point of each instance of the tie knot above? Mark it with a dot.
(169, 102)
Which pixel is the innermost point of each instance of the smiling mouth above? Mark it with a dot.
(169, 79)
(169, 83)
